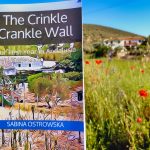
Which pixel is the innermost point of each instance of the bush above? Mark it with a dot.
(142, 47)
(43, 84)
(101, 50)
(76, 76)
(76, 58)
(55, 56)
(72, 62)
(32, 78)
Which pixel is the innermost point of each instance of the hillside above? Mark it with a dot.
(96, 33)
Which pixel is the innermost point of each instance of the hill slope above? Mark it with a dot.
(96, 33)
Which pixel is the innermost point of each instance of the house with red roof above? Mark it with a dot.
(126, 42)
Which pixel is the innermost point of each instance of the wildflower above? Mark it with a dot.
(143, 93)
(139, 120)
(98, 62)
(87, 62)
(132, 67)
(142, 71)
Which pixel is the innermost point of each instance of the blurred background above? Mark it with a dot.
(117, 55)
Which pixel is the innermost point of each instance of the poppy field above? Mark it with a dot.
(117, 94)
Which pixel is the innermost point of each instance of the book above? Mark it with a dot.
(41, 76)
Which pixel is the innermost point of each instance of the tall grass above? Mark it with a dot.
(113, 105)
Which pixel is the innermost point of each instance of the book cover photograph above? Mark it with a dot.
(41, 78)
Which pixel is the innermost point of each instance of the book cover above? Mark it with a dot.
(41, 78)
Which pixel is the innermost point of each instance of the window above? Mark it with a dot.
(80, 96)
(29, 65)
(19, 65)
(140, 41)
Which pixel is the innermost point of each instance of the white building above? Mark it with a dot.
(14, 64)
(128, 42)
(61, 47)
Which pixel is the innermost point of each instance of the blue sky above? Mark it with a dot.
(129, 15)
(26, 1)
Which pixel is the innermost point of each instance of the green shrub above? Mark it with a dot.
(76, 76)
(55, 56)
(32, 78)
(101, 50)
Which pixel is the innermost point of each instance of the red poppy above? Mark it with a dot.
(87, 62)
(98, 62)
(132, 67)
(139, 120)
(143, 93)
(142, 71)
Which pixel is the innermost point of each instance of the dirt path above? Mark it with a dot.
(13, 114)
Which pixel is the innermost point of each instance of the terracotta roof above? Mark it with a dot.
(126, 38)
(132, 38)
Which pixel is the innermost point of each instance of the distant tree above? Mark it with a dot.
(100, 50)
(66, 64)
(76, 58)
(40, 85)
(75, 76)
(53, 87)
(72, 62)
(148, 43)
(148, 39)
(1, 72)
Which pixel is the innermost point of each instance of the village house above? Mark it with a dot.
(14, 64)
(125, 43)
(60, 47)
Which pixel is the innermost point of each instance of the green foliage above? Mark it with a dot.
(19, 78)
(148, 39)
(76, 58)
(140, 52)
(142, 47)
(2, 48)
(42, 84)
(61, 87)
(39, 83)
(66, 46)
(72, 62)
(55, 56)
(45, 47)
(100, 50)
(1, 72)
(76, 76)
(113, 105)
(26, 146)
(31, 80)
(118, 49)
(66, 64)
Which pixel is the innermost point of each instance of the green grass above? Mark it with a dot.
(113, 105)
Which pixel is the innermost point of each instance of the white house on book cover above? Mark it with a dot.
(14, 64)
